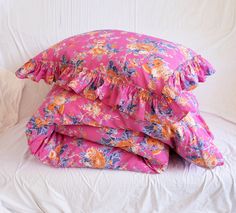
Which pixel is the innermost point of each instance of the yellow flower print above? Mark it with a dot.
(96, 158)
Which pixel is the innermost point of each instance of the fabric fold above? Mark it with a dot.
(66, 117)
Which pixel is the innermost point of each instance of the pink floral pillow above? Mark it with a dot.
(148, 62)
(143, 74)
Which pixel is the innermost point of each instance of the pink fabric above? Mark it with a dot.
(66, 119)
(137, 73)
(120, 101)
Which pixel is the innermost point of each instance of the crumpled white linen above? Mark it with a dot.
(11, 90)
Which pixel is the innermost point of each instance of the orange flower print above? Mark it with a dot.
(51, 107)
(58, 149)
(207, 160)
(147, 68)
(125, 143)
(99, 48)
(156, 144)
(166, 131)
(61, 109)
(152, 118)
(27, 68)
(156, 151)
(96, 158)
(39, 122)
(58, 102)
(210, 160)
(157, 63)
(52, 154)
(114, 78)
(153, 68)
(151, 141)
(144, 95)
(90, 94)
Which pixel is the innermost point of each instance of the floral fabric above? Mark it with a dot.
(67, 126)
(121, 100)
(139, 74)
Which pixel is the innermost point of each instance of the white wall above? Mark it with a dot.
(207, 26)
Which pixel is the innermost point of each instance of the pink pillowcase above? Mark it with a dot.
(141, 72)
(148, 62)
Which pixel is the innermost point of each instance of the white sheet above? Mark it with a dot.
(208, 26)
(28, 186)
(11, 90)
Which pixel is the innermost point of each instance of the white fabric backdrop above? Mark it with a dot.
(209, 27)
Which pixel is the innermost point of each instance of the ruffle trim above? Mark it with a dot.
(190, 73)
(116, 91)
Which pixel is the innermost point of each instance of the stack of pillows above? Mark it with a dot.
(120, 100)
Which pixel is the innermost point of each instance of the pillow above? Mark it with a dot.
(138, 74)
(190, 137)
(148, 62)
(10, 95)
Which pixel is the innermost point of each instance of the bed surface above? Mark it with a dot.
(26, 185)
